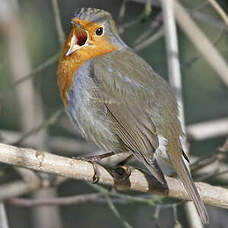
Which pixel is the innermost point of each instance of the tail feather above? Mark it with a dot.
(190, 187)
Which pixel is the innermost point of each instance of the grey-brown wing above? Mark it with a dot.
(135, 128)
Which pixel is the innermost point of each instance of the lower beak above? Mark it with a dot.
(72, 46)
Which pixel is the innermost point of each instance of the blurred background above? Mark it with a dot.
(31, 111)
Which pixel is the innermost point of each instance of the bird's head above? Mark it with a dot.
(93, 33)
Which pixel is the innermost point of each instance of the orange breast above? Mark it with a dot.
(66, 72)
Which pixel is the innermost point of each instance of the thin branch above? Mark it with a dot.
(45, 64)
(205, 47)
(50, 61)
(58, 23)
(155, 23)
(70, 200)
(149, 200)
(30, 183)
(207, 19)
(116, 213)
(213, 175)
(208, 129)
(219, 10)
(196, 58)
(52, 119)
(149, 40)
(82, 170)
(196, 14)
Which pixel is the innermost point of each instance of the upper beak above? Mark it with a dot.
(79, 38)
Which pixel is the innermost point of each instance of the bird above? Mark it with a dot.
(119, 102)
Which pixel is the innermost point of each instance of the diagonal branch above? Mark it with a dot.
(205, 47)
(219, 10)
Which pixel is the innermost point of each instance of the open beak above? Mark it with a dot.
(79, 39)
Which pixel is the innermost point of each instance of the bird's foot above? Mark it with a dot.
(93, 159)
(122, 173)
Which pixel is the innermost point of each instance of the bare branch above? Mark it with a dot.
(208, 129)
(196, 14)
(149, 40)
(85, 198)
(204, 46)
(116, 213)
(58, 21)
(43, 125)
(219, 10)
(31, 182)
(45, 64)
(82, 170)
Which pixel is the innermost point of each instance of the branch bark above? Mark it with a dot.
(82, 170)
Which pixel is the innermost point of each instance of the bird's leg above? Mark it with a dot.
(93, 159)
(125, 161)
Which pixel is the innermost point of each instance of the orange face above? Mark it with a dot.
(88, 40)
(85, 41)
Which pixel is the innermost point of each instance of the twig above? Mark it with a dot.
(219, 10)
(126, 25)
(213, 175)
(30, 183)
(196, 58)
(43, 125)
(203, 162)
(116, 213)
(204, 46)
(196, 14)
(53, 59)
(58, 23)
(82, 170)
(152, 201)
(70, 200)
(150, 40)
(156, 22)
(35, 71)
(207, 19)
(208, 129)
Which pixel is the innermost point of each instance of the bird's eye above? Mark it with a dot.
(99, 31)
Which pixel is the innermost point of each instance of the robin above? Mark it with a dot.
(119, 102)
